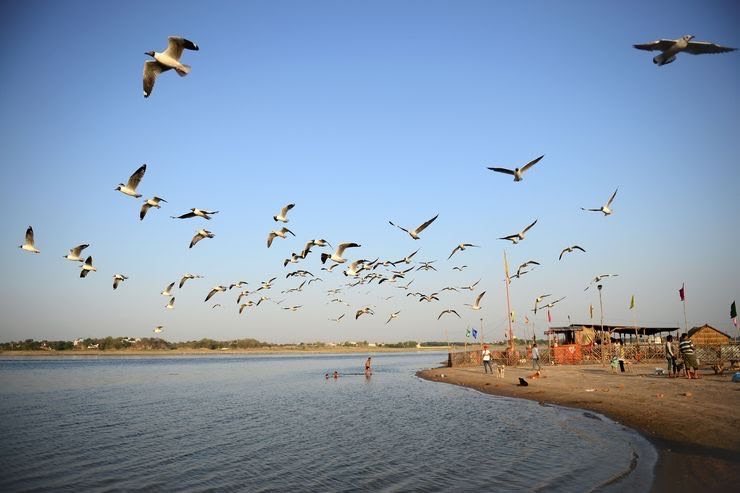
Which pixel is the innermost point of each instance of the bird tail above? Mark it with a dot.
(183, 70)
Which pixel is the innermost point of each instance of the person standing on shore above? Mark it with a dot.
(487, 360)
(535, 357)
(670, 357)
(368, 367)
(686, 347)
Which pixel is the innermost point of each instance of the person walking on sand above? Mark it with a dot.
(487, 360)
(368, 367)
(535, 357)
(670, 357)
(686, 347)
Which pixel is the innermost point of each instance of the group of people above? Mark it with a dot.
(487, 357)
(368, 370)
(684, 361)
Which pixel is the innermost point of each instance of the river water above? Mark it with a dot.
(275, 423)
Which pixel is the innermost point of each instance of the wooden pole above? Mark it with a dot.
(508, 305)
(603, 342)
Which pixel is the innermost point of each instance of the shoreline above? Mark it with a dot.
(692, 423)
(164, 353)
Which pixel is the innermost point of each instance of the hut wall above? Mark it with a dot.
(707, 336)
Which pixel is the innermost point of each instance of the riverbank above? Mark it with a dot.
(282, 350)
(693, 423)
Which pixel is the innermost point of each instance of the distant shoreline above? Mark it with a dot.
(214, 352)
(692, 423)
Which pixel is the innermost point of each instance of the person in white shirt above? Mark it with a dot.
(535, 357)
(487, 359)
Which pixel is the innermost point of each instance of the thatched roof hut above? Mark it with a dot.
(706, 335)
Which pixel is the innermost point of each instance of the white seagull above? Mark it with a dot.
(87, 267)
(118, 279)
(158, 329)
(168, 290)
(337, 255)
(448, 311)
(149, 203)
(461, 247)
(283, 216)
(518, 172)
(414, 233)
(363, 311)
(669, 48)
(171, 304)
(196, 213)
(606, 208)
(516, 238)
(199, 235)
(168, 59)
(213, 291)
(187, 277)
(476, 305)
(340, 317)
(570, 250)
(130, 187)
(393, 315)
(74, 253)
(279, 233)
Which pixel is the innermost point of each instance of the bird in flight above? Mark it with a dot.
(337, 255)
(196, 213)
(168, 290)
(461, 247)
(448, 311)
(279, 233)
(213, 291)
(74, 253)
(393, 315)
(148, 203)
(168, 59)
(118, 279)
(476, 305)
(669, 48)
(570, 250)
(158, 329)
(606, 208)
(171, 304)
(363, 311)
(518, 172)
(87, 267)
(340, 317)
(517, 237)
(414, 233)
(283, 216)
(130, 187)
(187, 277)
(199, 235)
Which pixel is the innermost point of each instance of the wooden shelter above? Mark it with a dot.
(706, 335)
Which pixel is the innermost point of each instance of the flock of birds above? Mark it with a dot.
(356, 272)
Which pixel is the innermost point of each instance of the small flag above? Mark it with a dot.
(733, 314)
(682, 293)
(475, 334)
(467, 333)
(632, 302)
(591, 311)
(549, 317)
(513, 315)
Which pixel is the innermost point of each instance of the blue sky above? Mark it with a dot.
(361, 113)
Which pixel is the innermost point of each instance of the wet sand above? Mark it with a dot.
(694, 424)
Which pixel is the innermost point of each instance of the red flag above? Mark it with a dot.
(682, 293)
(549, 317)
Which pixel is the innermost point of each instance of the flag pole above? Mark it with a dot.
(508, 306)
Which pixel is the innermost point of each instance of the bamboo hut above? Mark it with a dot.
(706, 335)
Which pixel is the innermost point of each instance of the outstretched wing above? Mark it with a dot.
(528, 227)
(285, 209)
(423, 226)
(135, 179)
(702, 47)
(176, 44)
(531, 163)
(660, 45)
(152, 69)
(144, 208)
(612, 197)
(503, 170)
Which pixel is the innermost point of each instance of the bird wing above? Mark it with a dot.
(196, 239)
(531, 163)
(510, 237)
(453, 252)
(423, 226)
(561, 253)
(503, 170)
(29, 236)
(135, 179)
(187, 215)
(152, 69)
(528, 227)
(78, 249)
(144, 209)
(702, 47)
(576, 247)
(612, 197)
(270, 237)
(176, 44)
(594, 210)
(284, 210)
(211, 293)
(115, 282)
(89, 261)
(343, 246)
(286, 230)
(661, 45)
(477, 300)
(399, 227)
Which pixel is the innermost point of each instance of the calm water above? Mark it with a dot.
(255, 423)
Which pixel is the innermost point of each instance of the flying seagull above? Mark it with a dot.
(279, 233)
(393, 315)
(669, 48)
(448, 311)
(171, 304)
(168, 59)
(461, 247)
(476, 305)
(606, 207)
(516, 238)
(459, 267)
(518, 172)
(168, 290)
(340, 317)
(29, 245)
(337, 255)
(283, 216)
(520, 270)
(415, 232)
(148, 203)
(199, 235)
(158, 329)
(130, 187)
(471, 287)
(538, 300)
(363, 311)
(406, 259)
(187, 277)
(570, 250)
(74, 253)
(213, 291)
(196, 213)
(118, 279)
(87, 267)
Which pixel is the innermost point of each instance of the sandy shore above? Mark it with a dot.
(695, 424)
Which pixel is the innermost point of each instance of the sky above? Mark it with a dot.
(362, 113)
